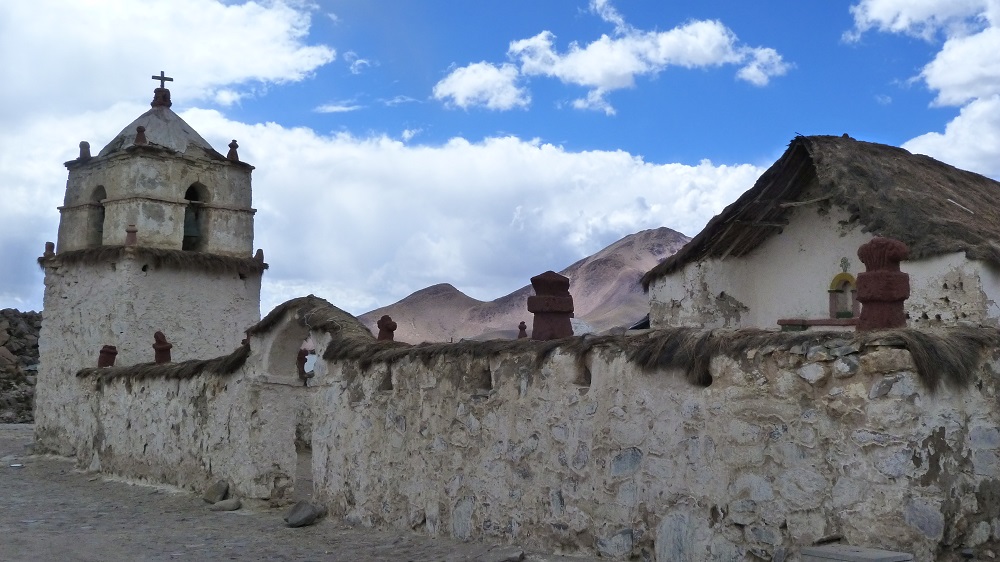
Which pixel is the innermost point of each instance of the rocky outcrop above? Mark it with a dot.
(18, 364)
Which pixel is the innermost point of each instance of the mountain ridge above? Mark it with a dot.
(605, 288)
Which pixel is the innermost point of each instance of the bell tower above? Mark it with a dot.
(155, 235)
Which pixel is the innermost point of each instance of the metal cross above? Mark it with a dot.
(162, 78)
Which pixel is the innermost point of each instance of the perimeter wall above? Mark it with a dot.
(592, 445)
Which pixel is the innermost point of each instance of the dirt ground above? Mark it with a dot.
(50, 511)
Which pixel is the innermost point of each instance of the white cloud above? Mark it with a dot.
(357, 64)
(970, 141)
(226, 97)
(965, 72)
(966, 68)
(399, 100)
(920, 18)
(408, 134)
(338, 107)
(763, 64)
(109, 47)
(364, 221)
(608, 13)
(483, 84)
(613, 63)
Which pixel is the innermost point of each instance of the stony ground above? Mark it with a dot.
(49, 511)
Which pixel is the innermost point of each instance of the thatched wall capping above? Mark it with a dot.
(157, 257)
(316, 314)
(933, 207)
(948, 356)
(220, 366)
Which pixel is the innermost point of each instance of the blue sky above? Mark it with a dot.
(401, 143)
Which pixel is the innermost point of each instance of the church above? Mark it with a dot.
(155, 234)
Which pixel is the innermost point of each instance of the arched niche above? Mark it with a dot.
(95, 217)
(843, 296)
(194, 218)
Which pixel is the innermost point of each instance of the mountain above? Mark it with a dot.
(605, 288)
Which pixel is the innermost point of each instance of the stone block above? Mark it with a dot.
(217, 492)
(846, 366)
(887, 361)
(846, 553)
(813, 373)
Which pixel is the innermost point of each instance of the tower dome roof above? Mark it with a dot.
(163, 129)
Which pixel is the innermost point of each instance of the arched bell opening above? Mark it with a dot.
(194, 218)
(95, 218)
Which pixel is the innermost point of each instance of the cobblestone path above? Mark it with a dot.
(50, 512)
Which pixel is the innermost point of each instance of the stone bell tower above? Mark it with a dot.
(155, 234)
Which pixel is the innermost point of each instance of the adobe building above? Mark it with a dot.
(155, 235)
(785, 254)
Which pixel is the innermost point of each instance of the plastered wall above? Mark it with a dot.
(788, 276)
(790, 444)
(89, 306)
(786, 447)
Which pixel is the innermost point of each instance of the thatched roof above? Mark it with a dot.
(316, 314)
(931, 206)
(222, 366)
(158, 257)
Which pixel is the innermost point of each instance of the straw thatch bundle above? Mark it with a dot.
(931, 206)
(157, 257)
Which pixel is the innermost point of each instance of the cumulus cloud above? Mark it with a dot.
(970, 141)
(613, 63)
(210, 44)
(965, 71)
(483, 84)
(608, 63)
(922, 18)
(385, 218)
(361, 220)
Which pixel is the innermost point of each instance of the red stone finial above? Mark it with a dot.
(84, 151)
(552, 306)
(131, 237)
(107, 356)
(522, 330)
(140, 136)
(386, 327)
(883, 288)
(161, 98)
(161, 95)
(233, 155)
(161, 348)
(50, 249)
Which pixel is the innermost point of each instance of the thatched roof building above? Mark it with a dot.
(933, 207)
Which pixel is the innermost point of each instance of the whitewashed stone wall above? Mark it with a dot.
(788, 276)
(785, 447)
(122, 304)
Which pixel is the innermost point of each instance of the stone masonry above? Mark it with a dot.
(18, 364)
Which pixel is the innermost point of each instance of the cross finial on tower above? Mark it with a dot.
(163, 78)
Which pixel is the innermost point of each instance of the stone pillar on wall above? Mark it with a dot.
(883, 288)
(552, 306)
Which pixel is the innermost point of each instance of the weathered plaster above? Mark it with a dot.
(951, 289)
(147, 189)
(123, 304)
(777, 453)
(787, 445)
(788, 276)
